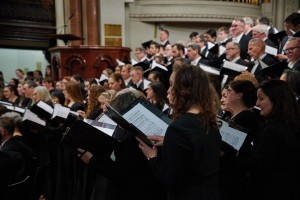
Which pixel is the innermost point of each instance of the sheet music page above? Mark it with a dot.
(105, 119)
(209, 69)
(28, 115)
(60, 111)
(231, 136)
(234, 66)
(106, 128)
(271, 50)
(222, 50)
(45, 107)
(146, 121)
(18, 109)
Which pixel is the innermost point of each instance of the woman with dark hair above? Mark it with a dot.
(116, 82)
(189, 161)
(14, 82)
(20, 75)
(22, 100)
(58, 97)
(10, 94)
(157, 94)
(48, 71)
(275, 167)
(73, 96)
(241, 97)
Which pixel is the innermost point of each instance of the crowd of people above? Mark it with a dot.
(192, 84)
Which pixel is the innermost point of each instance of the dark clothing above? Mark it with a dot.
(77, 106)
(94, 113)
(129, 175)
(233, 177)
(296, 66)
(275, 168)
(189, 161)
(244, 47)
(25, 158)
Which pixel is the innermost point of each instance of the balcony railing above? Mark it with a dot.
(253, 2)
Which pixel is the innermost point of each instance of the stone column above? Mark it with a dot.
(92, 20)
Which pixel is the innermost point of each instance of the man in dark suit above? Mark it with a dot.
(262, 60)
(141, 57)
(19, 154)
(261, 31)
(292, 50)
(137, 80)
(164, 37)
(237, 30)
(233, 54)
(292, 28)
(249, 23)
(193, 53)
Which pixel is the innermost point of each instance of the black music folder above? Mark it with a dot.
(88, 135)
(232, 69)
(233, 136)
(43, 110)
(141, 119)
(32, 121)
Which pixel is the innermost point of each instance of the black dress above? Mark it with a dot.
(233, 176)
(189, 161)
(275, 168)
(129, 175)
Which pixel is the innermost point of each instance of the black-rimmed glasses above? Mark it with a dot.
(291, 49)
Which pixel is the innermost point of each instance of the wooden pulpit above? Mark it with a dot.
(87, 61)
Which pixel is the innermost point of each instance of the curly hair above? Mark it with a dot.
(93, 102)
(192, 87)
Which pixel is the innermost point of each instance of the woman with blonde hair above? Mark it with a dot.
(41, 93)
(106, 98)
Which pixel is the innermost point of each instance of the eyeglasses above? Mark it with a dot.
(228, 49)
(290, 49)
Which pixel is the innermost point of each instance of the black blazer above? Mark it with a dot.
(259, 73)
(240, 61)
(244, 47)
(296, 66)
(270, 43)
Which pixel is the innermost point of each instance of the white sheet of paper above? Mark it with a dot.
(210, 45)
(28, 115)
(107, 131)
(209, 69)
(231, 136)
(45, 106)
(222, 50)
(146, 83)
(146, 121)
(234, 66)
(133, 62)
(271, 50)
(60, 111)
(155, 64)
(103, 77)
(105, 119)
(120, 63)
